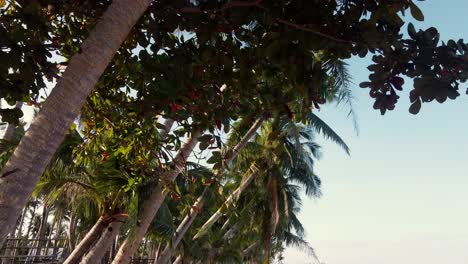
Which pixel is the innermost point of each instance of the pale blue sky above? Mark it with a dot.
(402, 195)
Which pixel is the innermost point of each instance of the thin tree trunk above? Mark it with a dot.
(10, 129)
(91, 237)
(229, 201)
(156, 253)
(246, 252)
(167, 128)
(151, 206)
(165, 256)
(188, 219)
(274, 204)
(178, 260)
(19, 231)
(38, 145)
(33, 214)
(57, 235)
(231, 232)
(41, 233)
(71, 232)
(114, 248)
(97, 252)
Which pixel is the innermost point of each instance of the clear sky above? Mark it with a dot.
(402, 195)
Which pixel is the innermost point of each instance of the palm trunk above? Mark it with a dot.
(246, 252)
(71, 232)
(183, 227)
(38, 145)
(231, 232)
(226, 224)
(97, 252)
(156, 253)
(41, 235)
(33, 214)
(19, 231)
(167, 128)
(87, 241)
(57, 235)
(179, 260)
(114, 248)
(188, 219)
(229, 201)
(274, 204)
(151, 206)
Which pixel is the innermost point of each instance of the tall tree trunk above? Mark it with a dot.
(97, 252)
(114, 248)
(168, 123)
(156, 252)
(10, 129)
(41, 234)
(165, 256)
(57, 235)
(151, 206)
(19, 230)
(38, 145)
(91, 237)
(231, 232)
(230, 155)
(33, 214)
(71, 232)
(246, 252)
(178, 260)
(229, 201)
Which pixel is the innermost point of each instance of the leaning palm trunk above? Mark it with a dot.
(38, 145)
(87, 241)
(188, 219)
(151, 206)
(183, 227)
(179, 260)
(229, 201)
(232, 231)
(106, 240)
(248, 251)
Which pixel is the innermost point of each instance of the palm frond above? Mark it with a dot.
(322, 127)
(342, 82)
(296, 241)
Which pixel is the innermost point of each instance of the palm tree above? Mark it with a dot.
(48, 129)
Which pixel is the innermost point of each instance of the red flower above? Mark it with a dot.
(175, 107)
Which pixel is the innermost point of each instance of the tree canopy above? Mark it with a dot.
(183, 51)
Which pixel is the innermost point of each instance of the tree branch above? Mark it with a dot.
(305, 28)
(228, 5)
